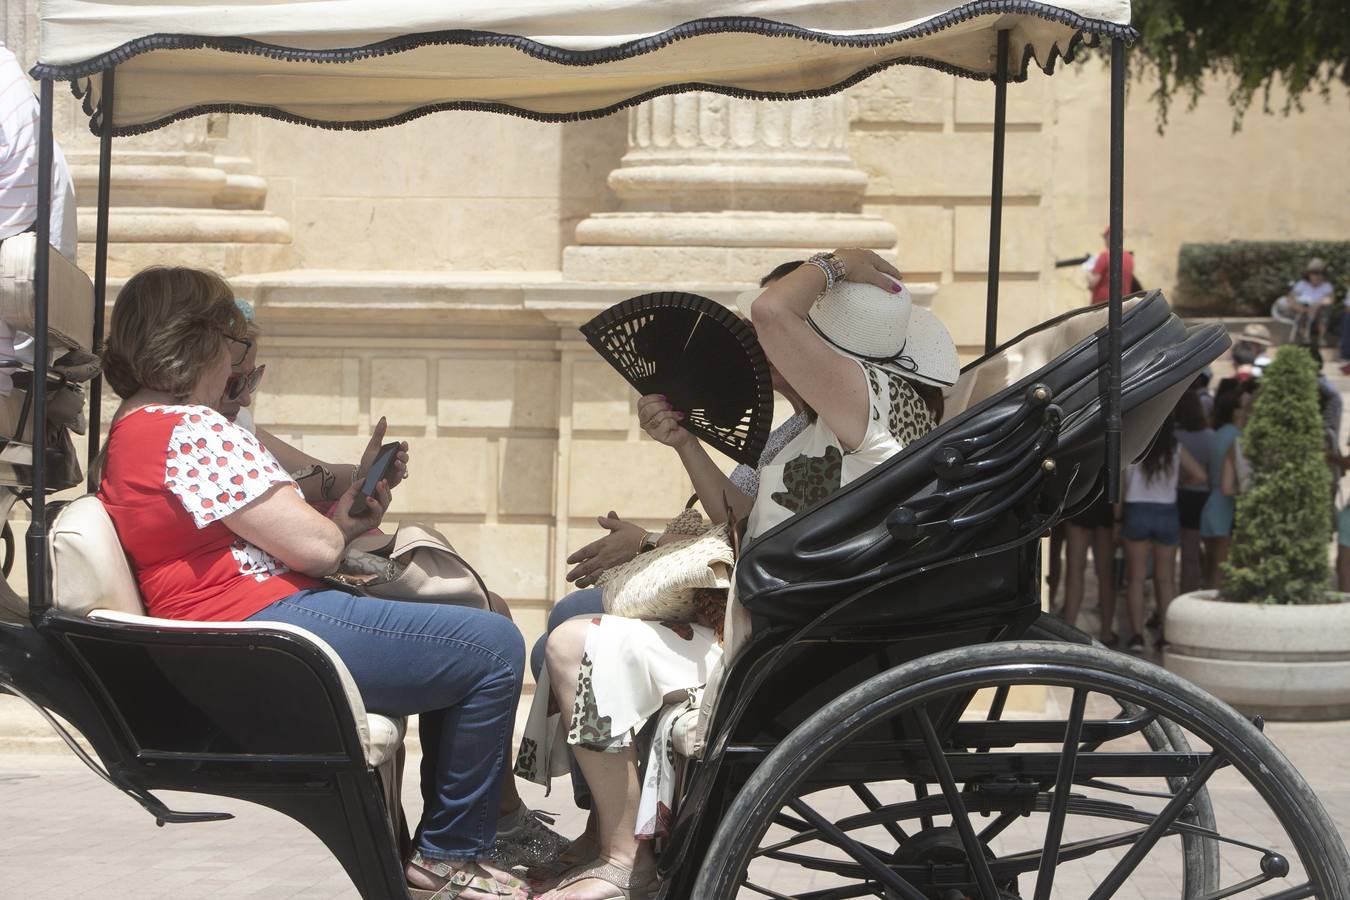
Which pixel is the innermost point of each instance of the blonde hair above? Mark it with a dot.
(168, 326)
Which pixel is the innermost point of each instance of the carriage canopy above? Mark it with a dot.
(364, 63)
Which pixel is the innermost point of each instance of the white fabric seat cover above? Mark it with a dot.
(91, 578)
(70, 306)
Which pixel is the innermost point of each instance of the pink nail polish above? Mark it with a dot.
(895, 289)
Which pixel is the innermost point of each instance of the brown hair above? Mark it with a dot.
(168, 326)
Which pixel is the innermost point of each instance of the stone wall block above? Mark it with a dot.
(309, 390)
(497, 393)
(398, 391)
(525, 469)
(960, 306)
(639, 480)
(513, 559)
(449, 475)
(1023, 239)
(1027, 102)
(601, 399)
(925, 243)
(928, 164)
(902, 95)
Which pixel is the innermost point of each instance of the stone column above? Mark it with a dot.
(718, 189)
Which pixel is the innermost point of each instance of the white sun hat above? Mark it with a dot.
(876, 326)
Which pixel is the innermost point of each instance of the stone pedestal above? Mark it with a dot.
(718, 189)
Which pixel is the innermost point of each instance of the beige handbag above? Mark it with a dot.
(416, 563)
(670, 583)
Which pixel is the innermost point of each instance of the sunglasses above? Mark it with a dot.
(237, 386)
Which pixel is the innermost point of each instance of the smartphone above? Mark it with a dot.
(378, 469)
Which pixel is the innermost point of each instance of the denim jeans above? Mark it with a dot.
(584, 602)
(459, 669)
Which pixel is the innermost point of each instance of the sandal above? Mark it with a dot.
(531, 843)
(1111, 641)
(623, 879)
(584, 849)
(456, 878)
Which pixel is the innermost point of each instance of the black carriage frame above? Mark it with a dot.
(67, 642)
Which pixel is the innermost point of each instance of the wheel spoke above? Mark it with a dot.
(921, 793)
(870, 800)
(960, 818)
(1054, 828)
(865, 858)
(1164, 821)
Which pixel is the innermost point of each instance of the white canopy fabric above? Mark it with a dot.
(366, 63)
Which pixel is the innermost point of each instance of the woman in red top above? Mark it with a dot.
(216, 530)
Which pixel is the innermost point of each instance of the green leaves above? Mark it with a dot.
(1279, 552)
(1300, 45)
(1242, 278)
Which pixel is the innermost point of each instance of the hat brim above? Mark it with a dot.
(1254, 339)
(745, 298)
(931, 347)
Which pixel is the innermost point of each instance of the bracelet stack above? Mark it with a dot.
(831, 265)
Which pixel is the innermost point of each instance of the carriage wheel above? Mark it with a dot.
(1024, 804)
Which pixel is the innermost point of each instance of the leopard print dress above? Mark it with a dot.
(814, 465)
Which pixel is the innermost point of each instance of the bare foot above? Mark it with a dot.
(488, 883)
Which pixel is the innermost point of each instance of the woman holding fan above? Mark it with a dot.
(870, 366)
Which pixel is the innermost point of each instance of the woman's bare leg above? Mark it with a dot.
(1217, 552)
(613, 777)
(1164, 578)
(1136, 560)
(1076, 540)
(1192, 560)
(1104, 564)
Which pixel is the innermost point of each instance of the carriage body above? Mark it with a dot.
(861, 607)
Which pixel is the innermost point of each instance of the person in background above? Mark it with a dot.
(1216, 518)
(1151, 525)
(1099, 279)
(1328, 400)
(1345, 333)
(1251, 349)
(1310, 300)
(1092, 528)
(1197, 438)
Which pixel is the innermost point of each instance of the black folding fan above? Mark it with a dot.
(701, 356)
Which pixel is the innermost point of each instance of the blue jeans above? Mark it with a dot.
(1156, 522)
(459, 669)
(584, 602)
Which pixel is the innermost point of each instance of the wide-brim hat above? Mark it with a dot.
(1316, 264)
(1255, 333)
(886, 329)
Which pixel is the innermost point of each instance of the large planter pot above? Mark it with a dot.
(1277, 661)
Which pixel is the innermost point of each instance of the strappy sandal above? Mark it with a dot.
(621, 878)
(469, 876)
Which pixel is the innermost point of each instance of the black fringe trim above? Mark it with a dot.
(1088, 31)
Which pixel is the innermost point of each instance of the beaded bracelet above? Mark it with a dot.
(831, 265)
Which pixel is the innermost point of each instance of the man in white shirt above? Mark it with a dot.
(1310, 299)
(19, 163)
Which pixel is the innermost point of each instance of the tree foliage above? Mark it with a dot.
(1279, 552)
(1300, 45)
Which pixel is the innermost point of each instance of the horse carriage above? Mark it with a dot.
(872, 737)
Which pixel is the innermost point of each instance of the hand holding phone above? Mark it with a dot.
(379, 469)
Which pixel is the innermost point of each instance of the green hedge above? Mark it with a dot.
(1242, 278)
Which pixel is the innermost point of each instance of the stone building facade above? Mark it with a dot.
(436, 273)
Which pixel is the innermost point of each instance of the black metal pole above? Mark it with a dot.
(105, 103)
(37, 529)
(1116, 249)
(996, 193)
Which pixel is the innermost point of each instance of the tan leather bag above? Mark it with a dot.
(416, 563)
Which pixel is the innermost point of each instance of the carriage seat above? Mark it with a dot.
(91, 578)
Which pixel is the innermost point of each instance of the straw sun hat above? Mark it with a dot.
(874, 325)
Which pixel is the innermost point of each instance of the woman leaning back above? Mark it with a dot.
(216, 531)
(609, 674)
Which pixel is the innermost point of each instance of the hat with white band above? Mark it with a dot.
(876, 326)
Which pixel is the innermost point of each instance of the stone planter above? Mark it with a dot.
(1281, 662)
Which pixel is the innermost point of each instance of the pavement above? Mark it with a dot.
(65, 833)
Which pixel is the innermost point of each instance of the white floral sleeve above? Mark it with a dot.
(214, 467)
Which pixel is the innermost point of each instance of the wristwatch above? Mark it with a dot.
(649, 542)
